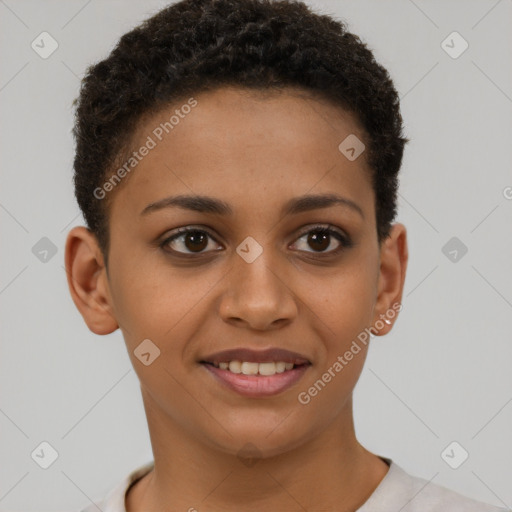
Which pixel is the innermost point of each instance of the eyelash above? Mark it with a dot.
(345, 242)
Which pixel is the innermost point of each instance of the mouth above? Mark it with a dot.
(256, 373)
(252, 368)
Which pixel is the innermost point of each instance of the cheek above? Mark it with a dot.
(152, 301)
(346, 307)
(346, 302)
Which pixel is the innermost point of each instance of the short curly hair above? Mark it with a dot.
(198, 45)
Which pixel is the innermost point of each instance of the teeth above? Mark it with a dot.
(267, 368)
(248, 368)
(235, 367)
(280, 367)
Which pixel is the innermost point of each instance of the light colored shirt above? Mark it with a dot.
(397, 491)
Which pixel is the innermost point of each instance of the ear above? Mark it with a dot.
(394, 256)
(88, 280)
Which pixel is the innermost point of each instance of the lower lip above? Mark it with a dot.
(258, 385)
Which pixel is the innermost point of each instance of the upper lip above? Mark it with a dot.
(256, 356)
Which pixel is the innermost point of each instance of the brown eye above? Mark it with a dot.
(188, 241)
(196, 241)
(321, 238)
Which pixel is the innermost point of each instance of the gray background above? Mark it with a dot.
(441, 375)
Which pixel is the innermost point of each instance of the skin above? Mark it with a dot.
(254, 151)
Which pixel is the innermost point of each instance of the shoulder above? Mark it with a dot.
(401, 491)
(114, 501)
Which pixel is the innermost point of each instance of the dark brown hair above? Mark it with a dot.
(196, 45)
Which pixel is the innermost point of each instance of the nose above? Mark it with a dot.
(258, 295)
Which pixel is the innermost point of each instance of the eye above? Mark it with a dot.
(192, 239)
(320, 238)
(195, 241)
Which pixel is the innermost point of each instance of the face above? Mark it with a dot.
(253, 265)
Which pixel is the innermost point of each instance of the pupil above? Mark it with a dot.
(197, 241)
(321, 237)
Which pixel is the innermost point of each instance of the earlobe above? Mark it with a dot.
(87, 280)
(393, 266)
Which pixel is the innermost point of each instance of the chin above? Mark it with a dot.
(258, 441)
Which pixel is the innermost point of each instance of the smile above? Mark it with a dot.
(257, 379)
(248, 368)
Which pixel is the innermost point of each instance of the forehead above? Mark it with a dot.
(246, 147)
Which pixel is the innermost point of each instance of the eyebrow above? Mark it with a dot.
(206, 204)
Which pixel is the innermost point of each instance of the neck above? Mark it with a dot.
(331, 471)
